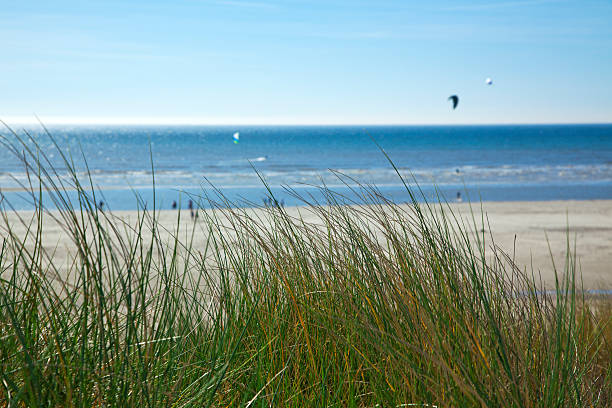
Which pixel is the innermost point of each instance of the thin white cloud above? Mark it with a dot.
(247, 4)
(365, 35)
(499, 5)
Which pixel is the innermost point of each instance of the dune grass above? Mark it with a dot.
(376, 305)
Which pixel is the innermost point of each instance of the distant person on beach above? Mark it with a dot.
(459, 199)
(174, 205)
(191, 208)
(101, 205)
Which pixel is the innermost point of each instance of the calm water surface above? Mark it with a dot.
(482, 162)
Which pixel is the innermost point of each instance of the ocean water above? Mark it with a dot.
(489, 163)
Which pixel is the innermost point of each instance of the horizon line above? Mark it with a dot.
(148, 121)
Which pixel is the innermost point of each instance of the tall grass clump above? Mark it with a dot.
(375, 304)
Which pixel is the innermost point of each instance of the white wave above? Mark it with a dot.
(503, 174)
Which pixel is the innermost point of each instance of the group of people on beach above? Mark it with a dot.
(273, 202)
(268, 202)
(192, 211)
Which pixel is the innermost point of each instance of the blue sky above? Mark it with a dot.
(306, 62)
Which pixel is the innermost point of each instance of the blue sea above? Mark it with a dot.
(489, 163)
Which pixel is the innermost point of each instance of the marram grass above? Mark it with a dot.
(376, 305)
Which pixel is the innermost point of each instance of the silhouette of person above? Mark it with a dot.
(174, 205)
(191, 208)
(459, 199)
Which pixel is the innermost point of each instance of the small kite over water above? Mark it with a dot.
(455, 100)
(489, 81)
(236, 137)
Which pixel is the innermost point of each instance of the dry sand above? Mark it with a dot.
(523, 228)
(527, 229)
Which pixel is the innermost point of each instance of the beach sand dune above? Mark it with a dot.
(532, 233)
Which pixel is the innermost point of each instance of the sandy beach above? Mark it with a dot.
(524, 230)
(529, 227)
